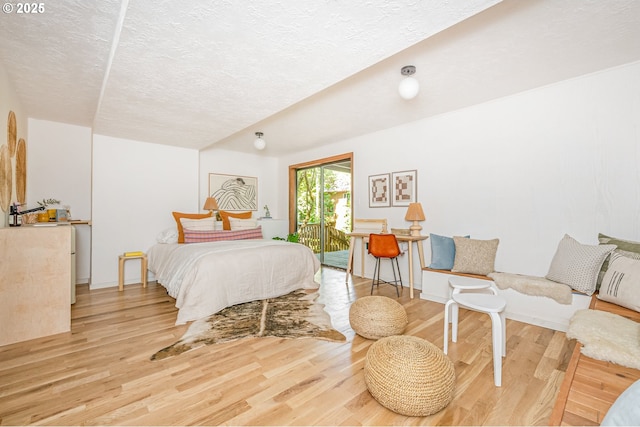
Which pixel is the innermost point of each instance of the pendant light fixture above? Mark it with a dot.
(259, 143)
(409, 86)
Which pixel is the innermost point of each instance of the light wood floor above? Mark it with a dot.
(100, 373)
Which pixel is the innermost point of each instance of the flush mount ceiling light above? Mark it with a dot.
(259, 143)
(409, 86)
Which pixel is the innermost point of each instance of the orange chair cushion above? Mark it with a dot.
(383, 245)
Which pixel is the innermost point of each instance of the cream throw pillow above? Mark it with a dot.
(474, 256)
(628, 248)
(621, 282)
(204, 224)
(577, 265)
(243, 224)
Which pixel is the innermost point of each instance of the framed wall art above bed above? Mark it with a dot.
(234, 192)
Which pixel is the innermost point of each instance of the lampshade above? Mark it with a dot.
(415, 214)
(259, 143)
(409, 86)
(210, 204)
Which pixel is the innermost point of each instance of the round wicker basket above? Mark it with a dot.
(375, 317)
(409, 375)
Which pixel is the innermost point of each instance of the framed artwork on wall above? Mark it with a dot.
(234, 192)
(379, 195)
(404, 187)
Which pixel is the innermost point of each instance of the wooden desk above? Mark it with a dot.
(364, 237)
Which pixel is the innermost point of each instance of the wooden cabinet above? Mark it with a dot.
(35, 280)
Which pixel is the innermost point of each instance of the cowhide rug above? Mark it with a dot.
(295, 315)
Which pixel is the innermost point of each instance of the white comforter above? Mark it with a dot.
(204, 278)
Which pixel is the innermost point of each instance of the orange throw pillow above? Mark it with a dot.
(178, 215)
(226, 225)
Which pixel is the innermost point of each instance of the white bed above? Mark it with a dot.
(206, 277)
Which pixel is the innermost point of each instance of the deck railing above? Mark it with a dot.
(334, 239)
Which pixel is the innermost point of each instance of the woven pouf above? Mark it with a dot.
(375, 317)
(409, 375)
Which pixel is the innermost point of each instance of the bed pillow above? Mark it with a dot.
(204, 224)
(178, 215)
(224, 215)
(474, 256)
(242, 224)
(199, 236)
(170, 235)
(628, 248)
(577, 265)
(621, 282)
(443, 252)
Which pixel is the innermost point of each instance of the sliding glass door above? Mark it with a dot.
(322, 211)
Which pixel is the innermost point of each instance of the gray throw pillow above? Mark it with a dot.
(474, 256)
(577, 265)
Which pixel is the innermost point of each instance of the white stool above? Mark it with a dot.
(459, 284)
(494, 306)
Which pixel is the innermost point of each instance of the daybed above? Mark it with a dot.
(535, 310)
(542, 302)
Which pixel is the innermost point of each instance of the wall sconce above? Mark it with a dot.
(210, 205)
(259, 143)
(415, 214)
(409, 86)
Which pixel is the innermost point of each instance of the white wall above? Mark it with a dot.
(526, 168)
(234, 163)
(136, 186)
(59, 167)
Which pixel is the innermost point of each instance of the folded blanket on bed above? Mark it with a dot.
(532, 285)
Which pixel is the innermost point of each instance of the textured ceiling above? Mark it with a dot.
(306, 72)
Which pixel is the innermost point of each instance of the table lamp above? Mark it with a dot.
(415, 214)
(210, 205)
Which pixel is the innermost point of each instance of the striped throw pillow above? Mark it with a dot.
(199, 236)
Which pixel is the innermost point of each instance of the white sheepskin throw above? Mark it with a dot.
(535, 286)
(607, 336)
